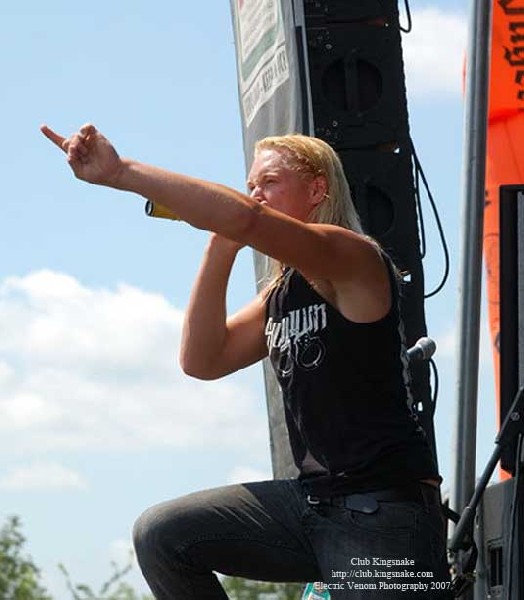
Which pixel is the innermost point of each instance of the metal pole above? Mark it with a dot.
(477, 86)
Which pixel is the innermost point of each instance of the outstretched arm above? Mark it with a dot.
(203, 204)
(317, 251)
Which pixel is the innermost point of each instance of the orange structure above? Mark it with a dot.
(505, 142)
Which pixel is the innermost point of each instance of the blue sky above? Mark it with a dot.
(96, 420)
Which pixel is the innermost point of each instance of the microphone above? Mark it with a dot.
(153, 209)
(423, 349)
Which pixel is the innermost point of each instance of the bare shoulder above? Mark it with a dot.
(351, 255)
(360, 287)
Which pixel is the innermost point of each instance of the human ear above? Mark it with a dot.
(319, 190)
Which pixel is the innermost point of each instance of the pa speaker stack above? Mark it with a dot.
(358, 100)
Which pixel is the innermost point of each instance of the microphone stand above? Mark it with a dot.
(462, 539)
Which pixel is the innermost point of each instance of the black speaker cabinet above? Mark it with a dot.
(359, 107)
(511, 303)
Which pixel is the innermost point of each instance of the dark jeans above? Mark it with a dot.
(268, 531)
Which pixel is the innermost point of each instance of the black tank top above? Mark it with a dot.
(346, 392)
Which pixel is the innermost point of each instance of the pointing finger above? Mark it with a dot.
(87, 130)
(54, 137)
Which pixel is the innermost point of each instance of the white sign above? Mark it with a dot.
(263, 63)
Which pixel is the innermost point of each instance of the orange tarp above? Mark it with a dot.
(505, 143)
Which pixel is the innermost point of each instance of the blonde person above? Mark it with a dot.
(364, 513)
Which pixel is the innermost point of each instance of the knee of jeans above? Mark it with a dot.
(150, 533)
(145, 534)
(161, 530)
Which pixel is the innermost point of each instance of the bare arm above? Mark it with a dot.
(317, 251)
(213, 345)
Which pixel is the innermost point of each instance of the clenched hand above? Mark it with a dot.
(90, 155)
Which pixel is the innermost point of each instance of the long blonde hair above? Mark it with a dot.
(312, 156)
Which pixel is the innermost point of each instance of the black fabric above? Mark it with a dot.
(346, 392)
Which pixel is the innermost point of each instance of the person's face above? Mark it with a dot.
(274, 182)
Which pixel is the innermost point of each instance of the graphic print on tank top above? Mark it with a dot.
(296, 338)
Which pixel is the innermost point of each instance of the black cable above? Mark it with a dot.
(420, 212)
(420, 172)
(410, 23)
(434, 371)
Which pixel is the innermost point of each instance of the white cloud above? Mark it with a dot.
(41, 476)
(242, 474)
(122, 553)
(96, 369)
(434, 52)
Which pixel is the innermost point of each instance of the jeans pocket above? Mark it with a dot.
(391, 518)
